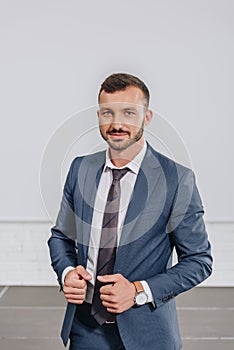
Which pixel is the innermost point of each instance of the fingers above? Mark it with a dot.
(83, 273)
(75, 296)
(77, 301)
(74, 281)
(107, 289)
(79, 287)
(109, 298)
(110, 278)
(74, 277)
(75, 285)
(110, 302)
(118, 295)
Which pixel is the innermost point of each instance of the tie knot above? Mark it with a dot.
(119, 173)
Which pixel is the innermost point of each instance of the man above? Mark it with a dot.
(122, 213)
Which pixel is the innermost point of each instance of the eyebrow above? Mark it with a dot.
(123, 109)
(106, 109)
(130, 108)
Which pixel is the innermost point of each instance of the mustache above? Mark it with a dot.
(117, 131)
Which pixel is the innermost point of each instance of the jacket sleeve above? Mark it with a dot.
(188, 235)
(62, 240)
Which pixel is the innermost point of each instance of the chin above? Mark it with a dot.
(120, 146)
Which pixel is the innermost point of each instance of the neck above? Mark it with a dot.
(122, 157)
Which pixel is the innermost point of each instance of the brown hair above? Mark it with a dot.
(120, 81)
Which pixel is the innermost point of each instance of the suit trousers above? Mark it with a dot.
(87, 334)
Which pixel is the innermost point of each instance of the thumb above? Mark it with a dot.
(108, 278)
(83, 273)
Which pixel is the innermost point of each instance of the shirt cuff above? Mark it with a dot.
(65, 271)
(148, 292)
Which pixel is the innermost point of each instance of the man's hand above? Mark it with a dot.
(75, 285)
(118, 296)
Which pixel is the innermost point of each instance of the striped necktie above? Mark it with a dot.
(108, 243)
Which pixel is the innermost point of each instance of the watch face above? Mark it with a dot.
(141, 298)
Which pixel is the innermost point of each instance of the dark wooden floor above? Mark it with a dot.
(31, 317)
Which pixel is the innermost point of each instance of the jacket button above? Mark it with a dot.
(167, 298)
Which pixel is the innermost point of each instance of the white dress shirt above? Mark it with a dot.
(126, 186)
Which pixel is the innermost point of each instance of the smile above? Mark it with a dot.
(118, 134)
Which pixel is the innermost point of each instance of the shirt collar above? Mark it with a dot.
(134, 165)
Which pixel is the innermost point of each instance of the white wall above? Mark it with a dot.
(55, 54)
(24, 258)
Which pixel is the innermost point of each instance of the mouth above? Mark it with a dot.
(117, 134)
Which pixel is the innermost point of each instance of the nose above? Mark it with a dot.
(117, 120)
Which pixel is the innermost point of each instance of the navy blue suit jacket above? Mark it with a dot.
(165, 212)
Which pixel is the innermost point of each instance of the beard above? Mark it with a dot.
(120, 145)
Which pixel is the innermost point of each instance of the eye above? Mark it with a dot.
(129, 113)
(106, 113)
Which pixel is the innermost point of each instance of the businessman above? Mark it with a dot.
(123, 212)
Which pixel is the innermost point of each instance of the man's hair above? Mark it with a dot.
(120, 81)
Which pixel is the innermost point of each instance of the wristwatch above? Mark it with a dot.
(141, 297)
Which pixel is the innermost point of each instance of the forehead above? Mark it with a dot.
(131, 95)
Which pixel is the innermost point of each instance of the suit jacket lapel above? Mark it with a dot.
(89, 177)
(141, 203)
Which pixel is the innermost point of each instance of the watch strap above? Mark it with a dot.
(139, 287)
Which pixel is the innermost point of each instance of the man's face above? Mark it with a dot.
(122, 117)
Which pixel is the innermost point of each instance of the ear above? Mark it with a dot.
(98, 113)
(148, 116)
